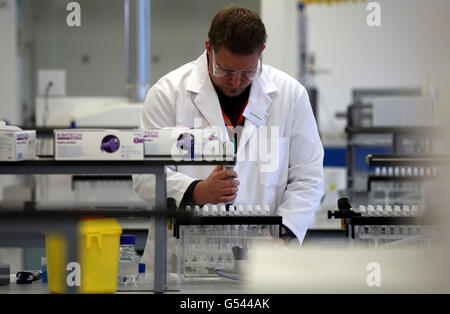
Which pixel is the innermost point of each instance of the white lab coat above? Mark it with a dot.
(291, 182)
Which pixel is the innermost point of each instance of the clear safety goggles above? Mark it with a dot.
(219, 71)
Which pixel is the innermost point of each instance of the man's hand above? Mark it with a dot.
(220, 187)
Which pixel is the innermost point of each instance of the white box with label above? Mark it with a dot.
(182, 142)
(98, 144)
(17, 145)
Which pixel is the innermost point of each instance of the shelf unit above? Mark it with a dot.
(66, 221)
(226, 220)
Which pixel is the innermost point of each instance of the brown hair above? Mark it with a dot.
(237, 29)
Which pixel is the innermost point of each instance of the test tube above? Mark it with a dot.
(377, 171)
(362, 210)
(402, 171)
(189, 229)
(421, 171)
(226, 232)
(397, 213)
(414, 210)
(223, 213)
(406, 211)
(240, 213)
(368, 229)
(240, 210)
(360, 229)
(382, 229)
(253, 229)
(214, 212)
(388, 210)
(379, 210)
(409, 171)
(371, 210)
(218, 231)
(260, 228)
(389, 213)
(410, 229)
(234, 228)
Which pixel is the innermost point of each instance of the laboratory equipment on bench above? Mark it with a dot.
(179, 142)
(128, 261)
(16, 144)
(27, 277)
(400, 184)
(98, 261)
(385, 226)
(98, 144)
(44, 269)
(206, 239)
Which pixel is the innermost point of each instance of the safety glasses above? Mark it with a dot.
(219, 71)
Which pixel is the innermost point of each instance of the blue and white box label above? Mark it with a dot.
(17, 145)
(101, 144)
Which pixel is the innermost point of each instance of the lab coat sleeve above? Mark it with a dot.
(159, 112)
(304, 189)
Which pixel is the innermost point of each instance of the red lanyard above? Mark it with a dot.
(230, 126)
(240, 121)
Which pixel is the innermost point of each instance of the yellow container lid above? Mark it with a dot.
(102, 226)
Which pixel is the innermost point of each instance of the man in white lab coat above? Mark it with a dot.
(278, 150)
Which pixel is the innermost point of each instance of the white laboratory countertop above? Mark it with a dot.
(191, 286)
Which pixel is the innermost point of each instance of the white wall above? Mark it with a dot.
(411, 44)
(179, 29)
(100, 38)
(280, 20)
(9, 101)
(9, 97)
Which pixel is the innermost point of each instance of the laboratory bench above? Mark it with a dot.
(198, 286)
(28, 220)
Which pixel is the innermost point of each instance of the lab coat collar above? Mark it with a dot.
(204, 95)
(199, 75)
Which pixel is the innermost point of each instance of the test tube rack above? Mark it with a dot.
(205, 240)
(400, 184)
(376, 226)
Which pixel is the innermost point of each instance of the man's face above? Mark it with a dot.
(232, 71)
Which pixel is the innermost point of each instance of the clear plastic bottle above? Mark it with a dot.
(128, 261)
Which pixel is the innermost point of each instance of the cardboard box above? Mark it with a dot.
(98, 144)
(181, 142)
(17, 145)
